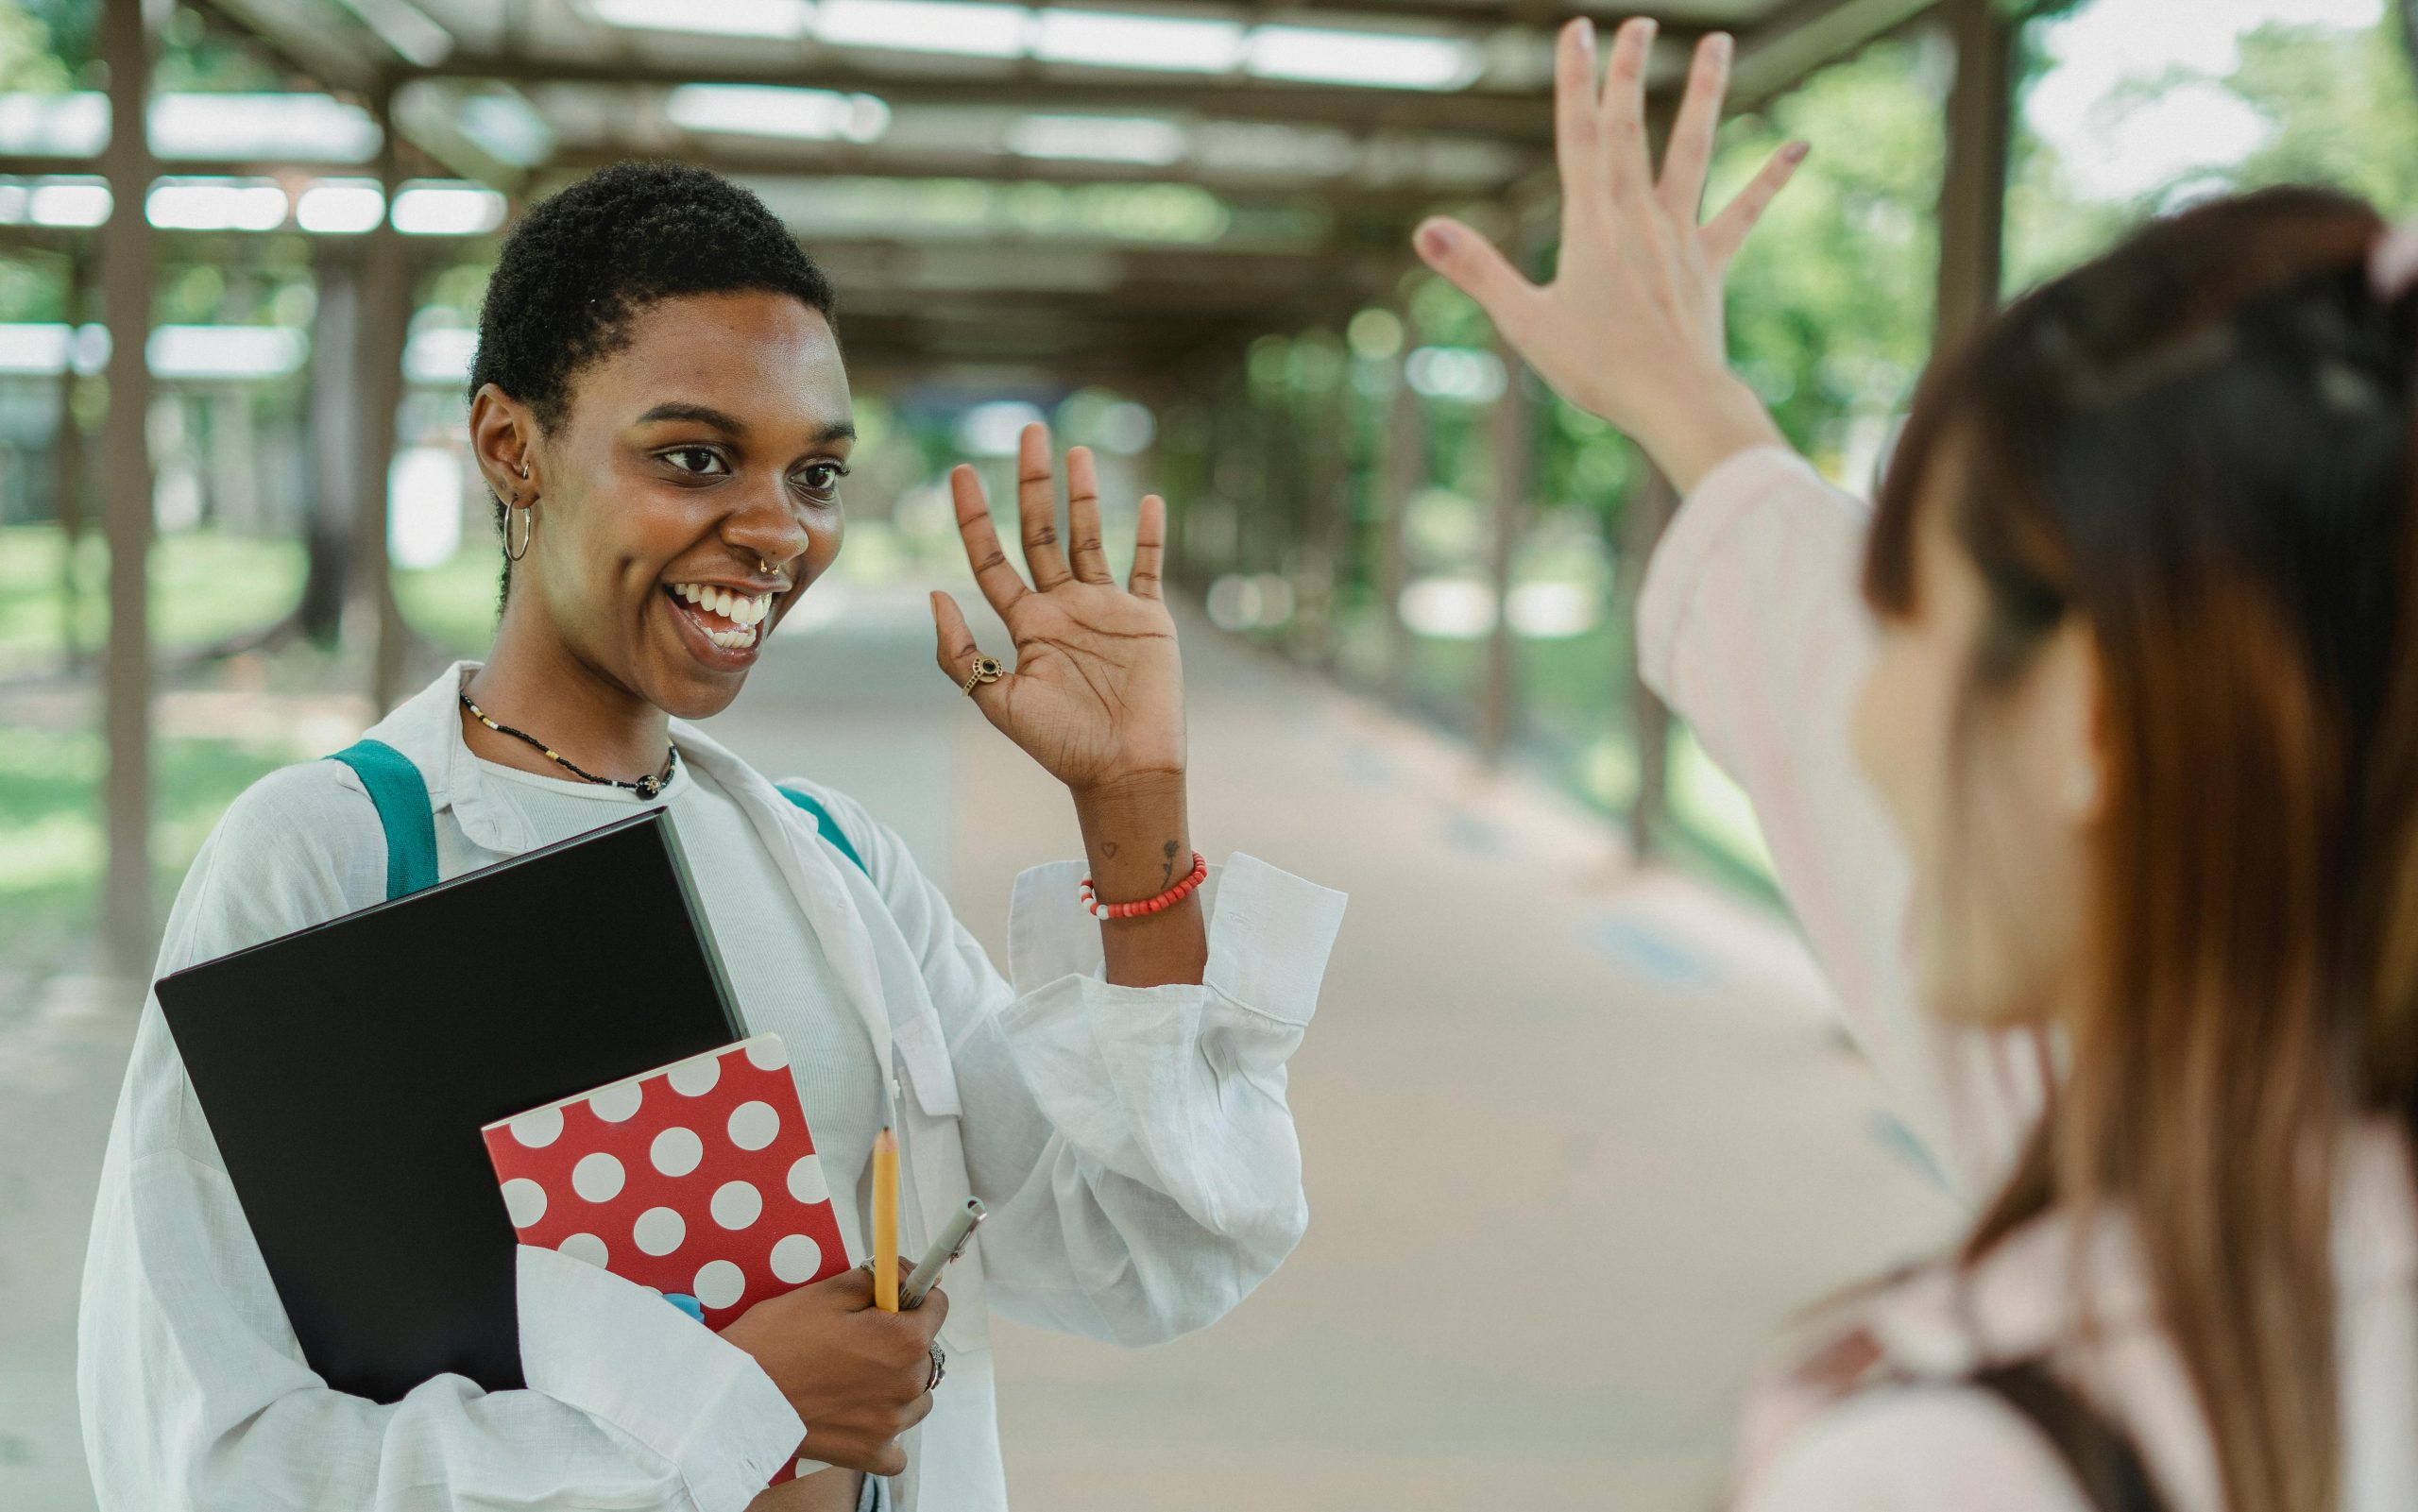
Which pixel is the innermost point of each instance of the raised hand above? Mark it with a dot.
(1630, 328)
(1097, 696)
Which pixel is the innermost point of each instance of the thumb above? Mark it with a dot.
(1476, 268)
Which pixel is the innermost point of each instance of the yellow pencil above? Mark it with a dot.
(885, 1221)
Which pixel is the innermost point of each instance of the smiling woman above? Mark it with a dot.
(659, 408)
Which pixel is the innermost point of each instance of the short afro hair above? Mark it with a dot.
(584, 261)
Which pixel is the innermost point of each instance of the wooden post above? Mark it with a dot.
(67, 466)
(385, 319)
(1403, 472)
(1514, 437)
(126, 291)
(1972, 185)
(333, 525)
(1642, 525)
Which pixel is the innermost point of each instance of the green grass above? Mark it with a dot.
(1576, 726)
(53, 848)
(206, 585)
(453, 606)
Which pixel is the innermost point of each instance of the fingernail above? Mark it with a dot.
(1584, 30)
(1719, 46)
(1795, 152)
(1436, 240)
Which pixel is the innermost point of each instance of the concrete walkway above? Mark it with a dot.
(1578, 1135)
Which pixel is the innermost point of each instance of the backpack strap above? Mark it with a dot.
(401, 796)
(2102, 1458)
(829, 825)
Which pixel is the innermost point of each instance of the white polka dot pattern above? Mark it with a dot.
(767, 1053)
(658, 1231)
(737, 1204)
(753, 1125)
(720, 1283)
(618, 1103)
(677, 1151)
(540, 1128)
(805, 1181)
(698, 1180)
(695, 1076)
(598, 1178)
(797, 1258)
(526, 1201)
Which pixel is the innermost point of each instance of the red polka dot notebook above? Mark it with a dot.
(697, 1179)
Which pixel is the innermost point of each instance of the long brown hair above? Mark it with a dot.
(2200, 444)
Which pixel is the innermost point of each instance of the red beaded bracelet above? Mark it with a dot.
(1092, 905)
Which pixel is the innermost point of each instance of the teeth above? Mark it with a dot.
(733, 639)
(743, 612)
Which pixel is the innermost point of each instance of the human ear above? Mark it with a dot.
(504, 438)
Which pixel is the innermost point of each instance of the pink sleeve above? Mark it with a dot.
(1751, 628)
(1919, 1450)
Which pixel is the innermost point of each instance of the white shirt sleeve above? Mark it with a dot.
(195, 1392)
(1933, 1448)
(1752, 627)
(1133, 1145)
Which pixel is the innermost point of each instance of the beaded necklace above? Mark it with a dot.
(644, 786)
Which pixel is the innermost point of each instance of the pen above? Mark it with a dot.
(951, 1243)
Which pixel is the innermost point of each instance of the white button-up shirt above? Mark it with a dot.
(1133, 1145)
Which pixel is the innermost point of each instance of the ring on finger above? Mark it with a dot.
(940, 1367)
(986, 670)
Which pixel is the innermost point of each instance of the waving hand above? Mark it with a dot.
(1630, 327)
(1097, 696)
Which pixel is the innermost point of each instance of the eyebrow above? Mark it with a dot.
(731, 424)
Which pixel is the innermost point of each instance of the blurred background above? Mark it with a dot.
(243, 244)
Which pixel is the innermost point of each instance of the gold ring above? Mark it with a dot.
(986, 670)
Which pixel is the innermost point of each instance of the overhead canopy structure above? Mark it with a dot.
(1090, 188)
(1048, 191)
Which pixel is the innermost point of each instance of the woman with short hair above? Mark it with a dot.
(660, 409)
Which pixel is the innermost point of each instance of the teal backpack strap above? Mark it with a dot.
(830, 827)
(401, 798)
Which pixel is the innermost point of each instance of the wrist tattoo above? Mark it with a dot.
(1167, 877)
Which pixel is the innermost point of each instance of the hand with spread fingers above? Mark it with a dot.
(1096, 693)
(1630, 328)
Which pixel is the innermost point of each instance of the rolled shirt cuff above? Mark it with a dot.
(618, 1353)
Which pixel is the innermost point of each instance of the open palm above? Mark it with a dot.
(1630, 328)
(1097, 696)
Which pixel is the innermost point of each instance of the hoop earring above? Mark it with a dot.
(530, 512)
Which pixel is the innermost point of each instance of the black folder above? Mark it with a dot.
(346, 1070)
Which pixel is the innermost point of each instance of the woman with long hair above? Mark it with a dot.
(659, 408)
(2133, 681)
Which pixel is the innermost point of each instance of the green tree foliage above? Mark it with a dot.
(30, 61)
(1830, 307)
(2341, 111)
